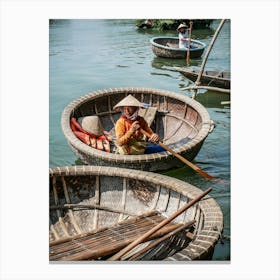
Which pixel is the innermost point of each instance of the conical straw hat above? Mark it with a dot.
(182, 25)
(129, 101)
(91, 124)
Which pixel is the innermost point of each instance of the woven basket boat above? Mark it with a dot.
(209, 77)
(181, 122)
(169, 47)
(95, 211)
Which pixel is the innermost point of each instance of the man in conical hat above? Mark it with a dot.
(183, 35)
(129, 138)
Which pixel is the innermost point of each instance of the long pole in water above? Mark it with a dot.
(197, 82)
(189, 45)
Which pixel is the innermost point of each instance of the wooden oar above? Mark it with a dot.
(142, 238)
(189, 47)
(190, 164)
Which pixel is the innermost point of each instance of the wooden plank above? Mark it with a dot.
(70, 211)
(56, 200)
(97, 201)
(123, 202)
(148, 114)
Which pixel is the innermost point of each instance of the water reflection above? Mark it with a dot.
(168, 63)
(211, 99)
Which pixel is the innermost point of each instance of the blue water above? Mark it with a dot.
(88, 55)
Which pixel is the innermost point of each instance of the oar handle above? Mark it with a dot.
(190, 164)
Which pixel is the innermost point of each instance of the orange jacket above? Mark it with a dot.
(122, 130)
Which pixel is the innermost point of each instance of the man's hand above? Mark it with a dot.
(134, 127)
(154, 137)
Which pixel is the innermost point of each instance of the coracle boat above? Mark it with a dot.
(169, 47)
(181, 122)
(214, 78)
(96, 211)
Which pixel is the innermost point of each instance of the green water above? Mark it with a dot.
(88, 55)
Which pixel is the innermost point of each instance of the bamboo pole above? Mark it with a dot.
(158, 241)
(87, 207)
(90, 232)
(225, 103)
(223, 90)
(157, 227)
(189, 44)
(207, 54)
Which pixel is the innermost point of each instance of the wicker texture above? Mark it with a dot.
(169, 47)
(180, 121)
(134, 192)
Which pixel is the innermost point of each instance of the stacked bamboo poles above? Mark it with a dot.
(109, 240)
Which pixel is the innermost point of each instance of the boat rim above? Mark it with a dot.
(152, 41)
(207, 125)
(174, 184)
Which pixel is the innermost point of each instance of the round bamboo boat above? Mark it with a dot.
(181, 122)
(169, 47)
(95, 211)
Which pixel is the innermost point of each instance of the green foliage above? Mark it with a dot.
(172, 24)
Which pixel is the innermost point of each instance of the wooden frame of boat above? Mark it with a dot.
(180, 121)
(209, 77)
(169, 47)
(95, 211)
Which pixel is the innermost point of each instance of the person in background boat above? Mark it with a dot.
(129, 138)
(183, 35)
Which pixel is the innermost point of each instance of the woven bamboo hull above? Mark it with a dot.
(181, 122)
(169, 47)
(209, 78)
(83, 233)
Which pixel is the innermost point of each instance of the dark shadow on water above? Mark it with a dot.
(160, 74)
(211, 99)
(222, 250)
(168, 63)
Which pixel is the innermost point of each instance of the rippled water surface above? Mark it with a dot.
(88, 55)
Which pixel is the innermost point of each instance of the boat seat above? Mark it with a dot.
(148, 114)
(101, 244)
